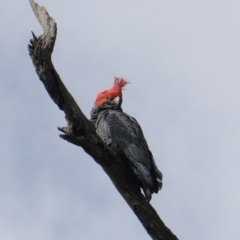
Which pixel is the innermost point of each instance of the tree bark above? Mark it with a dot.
(81, 132)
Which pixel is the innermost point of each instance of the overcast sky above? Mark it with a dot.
(182, 59)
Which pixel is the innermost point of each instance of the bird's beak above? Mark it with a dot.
(118, 101)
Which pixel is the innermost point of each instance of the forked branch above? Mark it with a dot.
(81, 132)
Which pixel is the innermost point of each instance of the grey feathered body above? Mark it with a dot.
(122, 132)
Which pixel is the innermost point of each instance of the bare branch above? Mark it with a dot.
(81, 132)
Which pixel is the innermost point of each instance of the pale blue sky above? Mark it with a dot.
(182, 59)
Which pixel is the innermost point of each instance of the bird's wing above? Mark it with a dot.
(123, 131)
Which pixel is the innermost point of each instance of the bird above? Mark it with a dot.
(123, 134)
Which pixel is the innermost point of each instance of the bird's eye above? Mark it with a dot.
(107, 97)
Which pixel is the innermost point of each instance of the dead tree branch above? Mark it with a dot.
(81, 132)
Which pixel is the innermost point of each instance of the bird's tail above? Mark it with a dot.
(146, 181)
